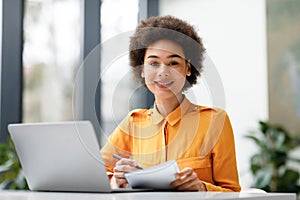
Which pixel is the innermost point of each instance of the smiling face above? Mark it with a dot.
(165, 69)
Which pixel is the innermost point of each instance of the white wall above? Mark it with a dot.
(234, 34)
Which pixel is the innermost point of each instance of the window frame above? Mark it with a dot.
(11, 80)
(11, 72)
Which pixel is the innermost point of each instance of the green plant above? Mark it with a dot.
(270, 165)
(11, 174)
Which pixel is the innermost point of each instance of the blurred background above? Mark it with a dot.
(253, 45)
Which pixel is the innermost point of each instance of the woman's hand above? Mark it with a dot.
(187, 180)
(123, 166)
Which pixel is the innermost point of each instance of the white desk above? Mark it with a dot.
(27, 195)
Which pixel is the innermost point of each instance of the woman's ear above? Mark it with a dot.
(188, 69)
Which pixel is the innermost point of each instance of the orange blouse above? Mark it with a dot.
(195, 136)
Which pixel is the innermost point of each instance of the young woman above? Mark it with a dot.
(166, 55)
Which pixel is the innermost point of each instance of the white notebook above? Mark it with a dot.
(156, 177)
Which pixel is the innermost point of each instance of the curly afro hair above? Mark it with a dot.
(168, 28)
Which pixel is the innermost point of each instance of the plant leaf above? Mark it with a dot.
(257, 141)
(263, 178)
(6, 166)
(264, 127)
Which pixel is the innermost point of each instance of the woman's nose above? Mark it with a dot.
(164, 70)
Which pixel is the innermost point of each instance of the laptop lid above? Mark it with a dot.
(60, 156)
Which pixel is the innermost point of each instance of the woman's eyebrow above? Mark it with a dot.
(152, 56)
(175, 56)
(170, 56)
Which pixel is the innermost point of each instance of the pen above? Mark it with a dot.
(119, 158)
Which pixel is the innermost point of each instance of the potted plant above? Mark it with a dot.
(11, 174)
(270, 165)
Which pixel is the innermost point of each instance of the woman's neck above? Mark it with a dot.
(166, 106)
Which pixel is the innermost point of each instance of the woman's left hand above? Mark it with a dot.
(187, 180)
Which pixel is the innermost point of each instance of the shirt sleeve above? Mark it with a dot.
(225, 173)
(118, 143)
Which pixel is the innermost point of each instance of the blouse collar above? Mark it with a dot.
(174, 116)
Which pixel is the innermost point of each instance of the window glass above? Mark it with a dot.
(118, 19)
(51, 54)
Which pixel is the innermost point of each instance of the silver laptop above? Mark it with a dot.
(61, 156)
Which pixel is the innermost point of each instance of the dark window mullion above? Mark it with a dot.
(11, 65)
(91, 89)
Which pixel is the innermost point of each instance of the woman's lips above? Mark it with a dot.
(163, 84)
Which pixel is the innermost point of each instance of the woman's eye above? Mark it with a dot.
(155, 64)
(173, 63)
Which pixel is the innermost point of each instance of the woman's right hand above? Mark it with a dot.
(123, 166)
